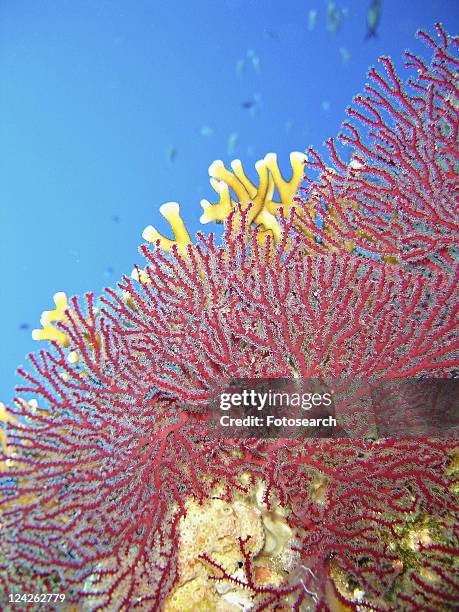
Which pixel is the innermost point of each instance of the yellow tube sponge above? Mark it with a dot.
(48, 331)
(171, 211)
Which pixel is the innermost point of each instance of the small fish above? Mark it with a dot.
(108, 272)
(267, 33)
(334, 17)
(345, 55)
(74, 253)
(232, 143)
(24, 326)
(116, 219)
(240, 67)
(373, 18)
(253, 106)
(171, 154)
(312, 19)
(326, 106)
(206, 131)
(255, 59)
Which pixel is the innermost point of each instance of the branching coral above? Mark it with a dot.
(263, 209)
(171, 211)
(49, 331)
(102, 486)
(398, 197)
(101, 479)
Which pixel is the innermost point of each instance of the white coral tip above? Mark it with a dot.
(203, 219)
(169, 207)
(73, 357)
(205, 204)
(149, 233)
(298, 155)
(215, 167)
(270, 158)
(60, 297)
(236, 164)
(356, 164)
(142, 276)
(45, 317)
(260, 164)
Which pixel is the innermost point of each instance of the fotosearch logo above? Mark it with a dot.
(274, 408)
(253, 399)
(337, 408)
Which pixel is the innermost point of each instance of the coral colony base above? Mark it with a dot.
(115, 493)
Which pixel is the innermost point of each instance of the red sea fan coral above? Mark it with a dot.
(398, 196)
(97, 480)
(98, 476)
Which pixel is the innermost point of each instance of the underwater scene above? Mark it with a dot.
(230, 348)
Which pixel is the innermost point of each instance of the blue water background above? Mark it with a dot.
(102, 110)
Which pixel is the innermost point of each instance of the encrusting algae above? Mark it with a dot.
(220, 543)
